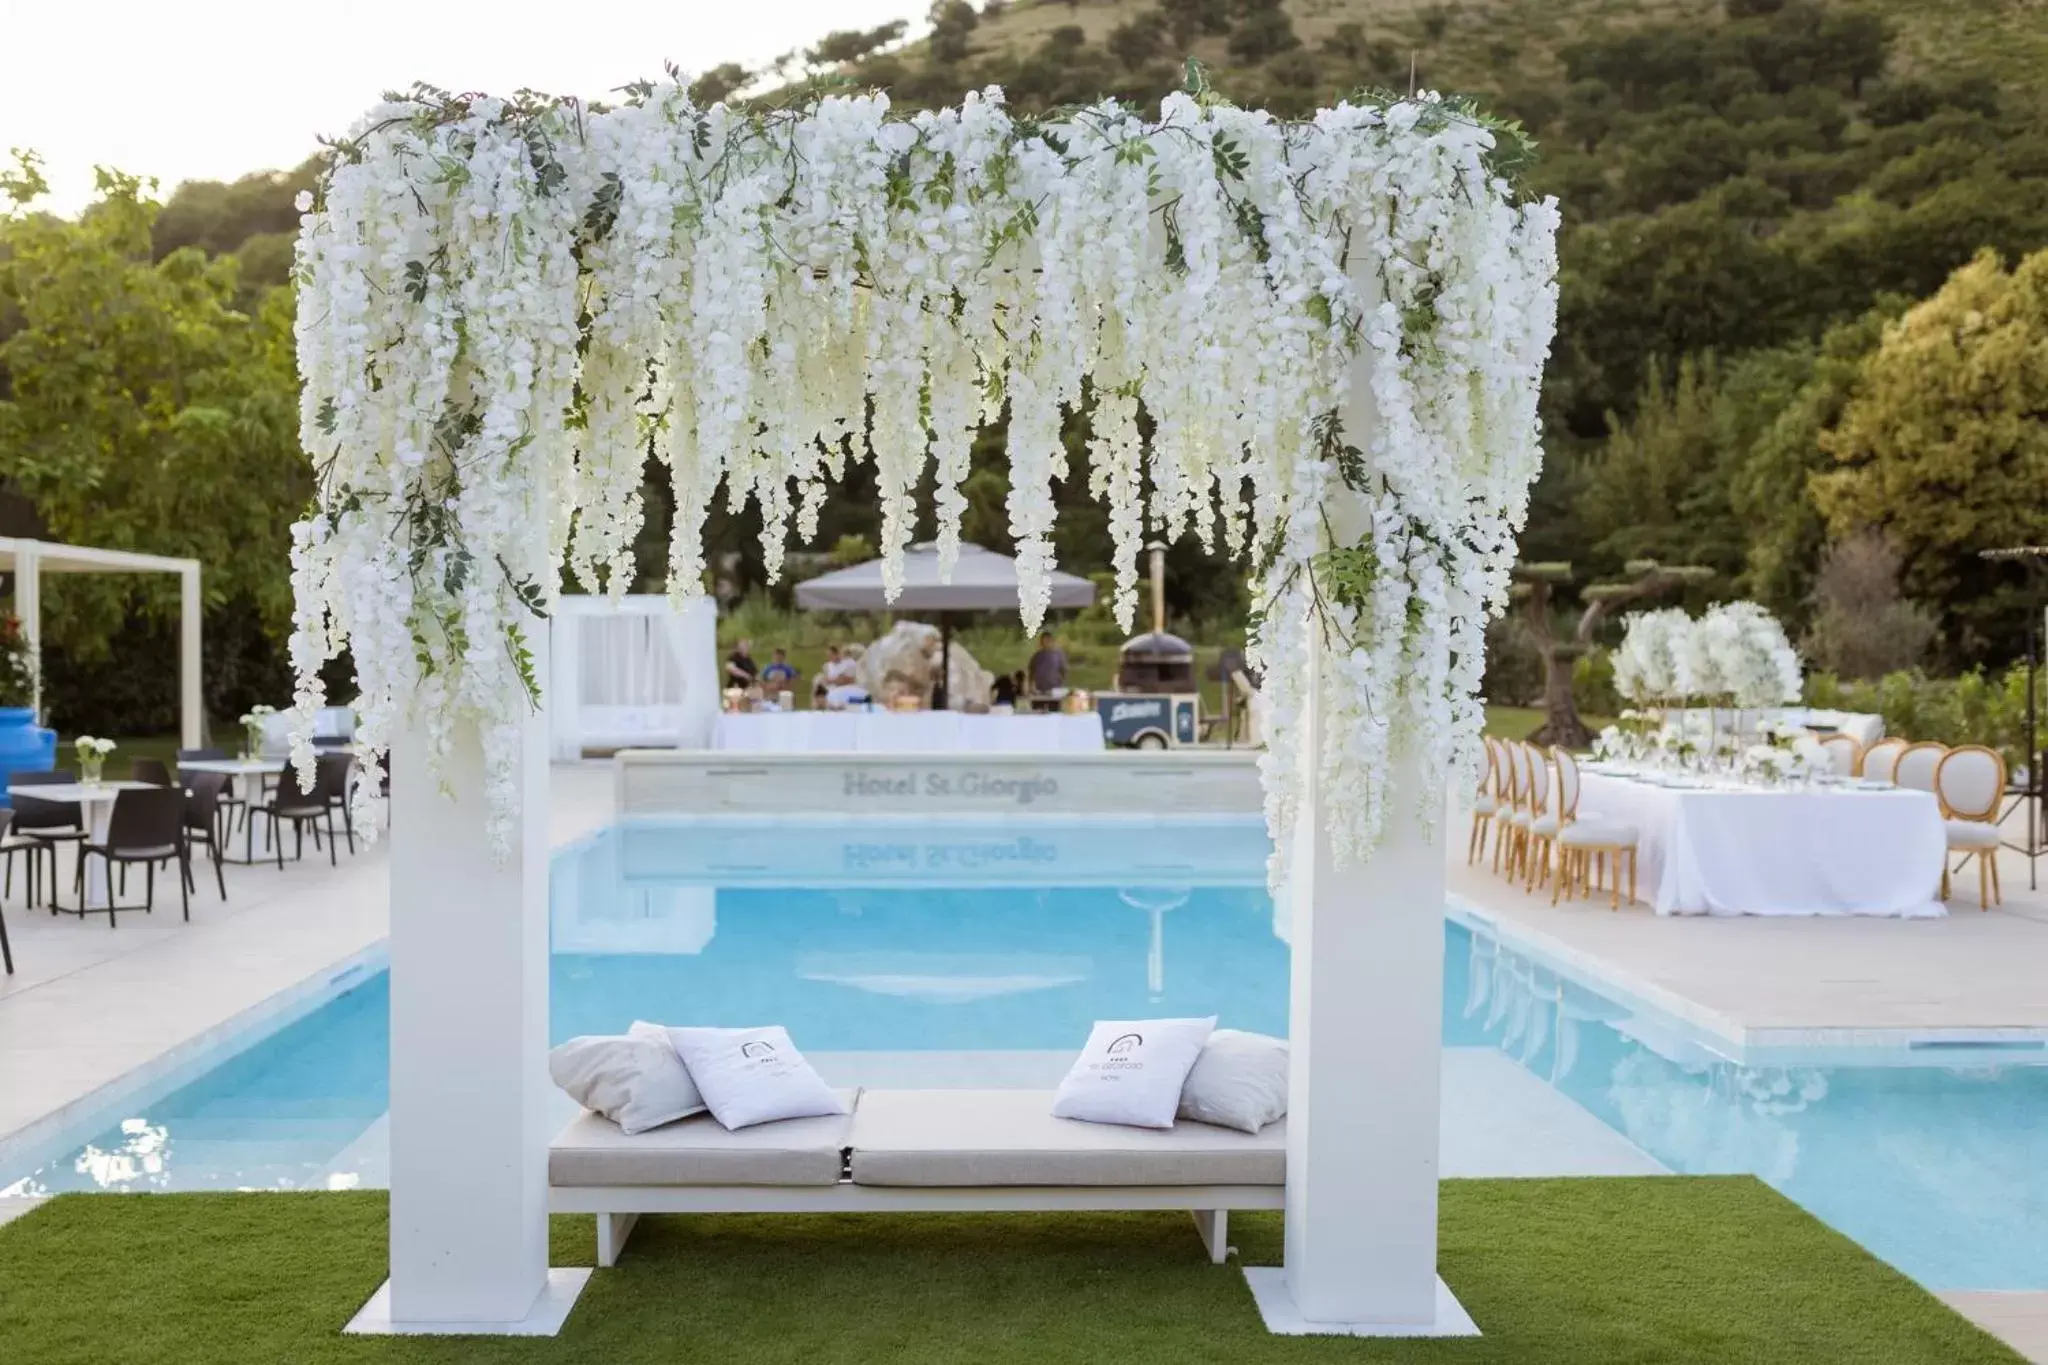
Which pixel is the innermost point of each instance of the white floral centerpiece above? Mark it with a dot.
(1613, 745)
(1774, 764)
(1752, 660)
(254, 722)
(1651, 665)
(505, 305)
(91, 752)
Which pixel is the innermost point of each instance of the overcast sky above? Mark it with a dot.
(212, 89)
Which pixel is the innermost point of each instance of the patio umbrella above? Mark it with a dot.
(982, 580)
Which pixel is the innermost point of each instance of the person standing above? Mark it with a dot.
(1048, 668)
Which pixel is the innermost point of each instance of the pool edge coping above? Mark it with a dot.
(1742, 1043)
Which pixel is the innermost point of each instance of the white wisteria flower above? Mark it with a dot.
(1317, 345)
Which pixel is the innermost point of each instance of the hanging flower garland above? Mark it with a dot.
(1317, 345)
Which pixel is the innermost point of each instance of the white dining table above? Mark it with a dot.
(1720, 848)
(96, 806)
(257, 768)
(905, 732)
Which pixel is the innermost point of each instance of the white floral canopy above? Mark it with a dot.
(1316, 343)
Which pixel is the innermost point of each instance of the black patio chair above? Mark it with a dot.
(204, 811)
(151, 770)
(7, 949)
(147, 826)
(340, 801)
(48, 823)
(236, 806)
(33, 850)
(303, 806)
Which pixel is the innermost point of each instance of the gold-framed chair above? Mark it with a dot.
(1845, 753)
(1580, 842)
(1507, 840)
(1916, 765)
(1485, 805)
(1881, 758)
(1969, 782)
(1541, 831)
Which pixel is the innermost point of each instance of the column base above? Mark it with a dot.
(1275, 1298)
(544, 1319)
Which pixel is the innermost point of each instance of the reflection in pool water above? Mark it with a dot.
(1941, 1170)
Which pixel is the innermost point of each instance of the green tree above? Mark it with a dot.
(219, 217)
(1139, 41)
(1658, 487)
(1798, 393)
(952, 21)
(850, 45)
(1944, 446)
(719, 83)
(141, 409)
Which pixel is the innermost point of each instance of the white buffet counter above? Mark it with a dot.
(905, 732)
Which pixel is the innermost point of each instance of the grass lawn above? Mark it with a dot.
(1566, 1272)
(1519, 722)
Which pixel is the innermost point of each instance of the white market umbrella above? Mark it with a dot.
(982, 580)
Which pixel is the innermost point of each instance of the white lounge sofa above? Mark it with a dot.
(914, 1151)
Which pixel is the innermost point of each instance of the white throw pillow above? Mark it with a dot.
(1239, 1081)
(753, 1075)
(1131, 1071)
(636, 1080)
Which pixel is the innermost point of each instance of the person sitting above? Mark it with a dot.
(1006, 688)
(740, 670)
(778, 673)
(829, 674)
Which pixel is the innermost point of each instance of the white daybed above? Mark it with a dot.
(914, 1151)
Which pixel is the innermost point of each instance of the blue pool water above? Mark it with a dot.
(969, 937)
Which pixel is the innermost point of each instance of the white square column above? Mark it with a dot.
(1365, 1026)
(469, 1035)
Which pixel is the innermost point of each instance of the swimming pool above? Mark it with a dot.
(959, 936)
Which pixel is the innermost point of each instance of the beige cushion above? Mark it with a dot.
(1009, 1137)
(697, 1151)
(1972, 834)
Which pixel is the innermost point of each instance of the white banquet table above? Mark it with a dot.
(905, 732)
(1738, 850)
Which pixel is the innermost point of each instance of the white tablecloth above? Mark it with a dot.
(1765, 852)
(906, 732)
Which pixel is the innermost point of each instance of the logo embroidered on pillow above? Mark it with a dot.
(1131, 1071)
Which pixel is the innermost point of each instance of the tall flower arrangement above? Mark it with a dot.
(1652, 663)
(505, 304)
(1753, 661)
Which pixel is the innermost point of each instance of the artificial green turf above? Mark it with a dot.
(1576, 1272)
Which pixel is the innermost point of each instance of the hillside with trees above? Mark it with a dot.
(1764, 338)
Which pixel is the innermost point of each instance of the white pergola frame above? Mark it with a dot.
(469, 998)
(29, 560)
